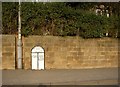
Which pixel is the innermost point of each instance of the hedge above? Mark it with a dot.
(57, 19)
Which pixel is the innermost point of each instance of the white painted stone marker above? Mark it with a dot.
(38, 58)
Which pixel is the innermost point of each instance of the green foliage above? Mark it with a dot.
(58, 19)
(9, 17)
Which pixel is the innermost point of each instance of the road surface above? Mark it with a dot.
(61, 77)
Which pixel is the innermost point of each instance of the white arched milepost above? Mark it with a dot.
(38, 58)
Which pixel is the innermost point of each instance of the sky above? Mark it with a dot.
(61, 0)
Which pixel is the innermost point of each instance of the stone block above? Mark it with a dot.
(28, 44)
(7, 54)
(6, 44)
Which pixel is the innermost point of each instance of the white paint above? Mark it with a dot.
(34, 61)
(101, 12)
(96, 11)
(41, 60)
(37, 49)
(107, 15)
(38, 58)
(106, 34)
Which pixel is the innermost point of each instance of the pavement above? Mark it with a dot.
(108, 76)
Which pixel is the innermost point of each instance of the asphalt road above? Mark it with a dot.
(61, 77)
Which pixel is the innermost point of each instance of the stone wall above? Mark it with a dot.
(63, 52)
(8, 51)
(73, 52)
